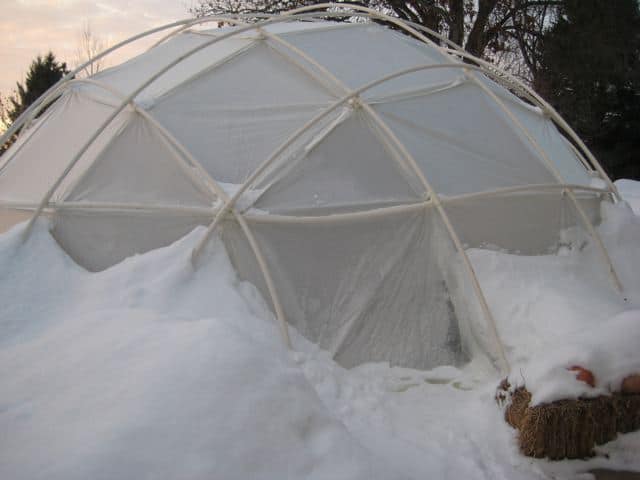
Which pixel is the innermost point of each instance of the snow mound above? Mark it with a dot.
(149, 370)
(557, 311)
(153, 370)
(609, 350)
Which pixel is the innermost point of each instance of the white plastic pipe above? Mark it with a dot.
(36, 105)
(552, 168)
(432, 194)
(298, 133)
(122, 106)
(297, 13)
(330, 218)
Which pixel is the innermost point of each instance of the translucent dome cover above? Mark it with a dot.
(346, 165)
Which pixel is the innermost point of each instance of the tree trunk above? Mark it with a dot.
(477, 40)
(456, 21)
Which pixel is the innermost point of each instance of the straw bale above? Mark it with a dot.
(568, 428)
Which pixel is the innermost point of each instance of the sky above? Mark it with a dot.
(32, 27)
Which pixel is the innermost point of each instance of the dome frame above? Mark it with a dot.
(346, 96)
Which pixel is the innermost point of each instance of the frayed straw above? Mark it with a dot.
(568, 428)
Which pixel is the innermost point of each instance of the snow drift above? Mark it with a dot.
(151, 369)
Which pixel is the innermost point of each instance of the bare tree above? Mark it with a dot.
(503, 30)
(220, 7)
(89, 45)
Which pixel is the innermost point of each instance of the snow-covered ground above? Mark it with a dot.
(631, 193)
(149, 370)
(558, 311)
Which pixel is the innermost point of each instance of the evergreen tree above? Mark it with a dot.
(43, 73)
(4, 117)
(590, 72)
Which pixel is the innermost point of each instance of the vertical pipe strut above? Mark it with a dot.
(229, 202)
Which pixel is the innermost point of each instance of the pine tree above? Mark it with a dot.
(43, 73)
(590, 72)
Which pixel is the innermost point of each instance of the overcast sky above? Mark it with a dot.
(32, 27)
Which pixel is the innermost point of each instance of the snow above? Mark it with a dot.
(572, 312)
(153, 370)
(149, 370)
(630, 191)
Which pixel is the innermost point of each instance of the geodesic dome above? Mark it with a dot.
(346, 165)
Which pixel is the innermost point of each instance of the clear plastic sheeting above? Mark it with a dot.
(366, 290)
(244, 259)
(132, 74)
(97, 240)
(475, 326)
(37, 164)
(537, 123)
(526, 223)
(557, 148)
(334, 170)
(366, 64)
(140, 166)
(258, 76)
(364, 162)
(233, 116)
(236, 140)
(461, 143)
(26, 134)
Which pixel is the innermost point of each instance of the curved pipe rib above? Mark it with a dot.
(359, 11)
(298, 133)
(298, 13)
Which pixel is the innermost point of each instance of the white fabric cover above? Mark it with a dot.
(231, 120)
(372, 53)
(40, 161)
(340, 172)
(462, 143)
(98, 240)
(358, 253)
(556, 147)
(368, 290)
(130, 75)
(525, 223)
(138, 164)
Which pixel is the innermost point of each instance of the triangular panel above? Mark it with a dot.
(344, 166)
(368, 291)
(353, 54)
(139, 166)
(540, 126)
(57, 137)
(130, 75)
(235, 115)
(462, 143)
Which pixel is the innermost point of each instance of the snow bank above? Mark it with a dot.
(557, 311)
(609, 350)
(149, 370)
(152, 370)
(435, 424)
(630, 191)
